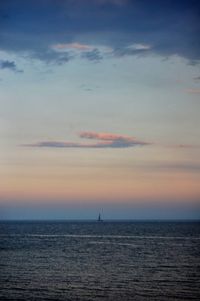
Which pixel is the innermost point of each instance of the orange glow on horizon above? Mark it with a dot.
(102, 187)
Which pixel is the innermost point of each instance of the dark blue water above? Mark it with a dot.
(100, 261)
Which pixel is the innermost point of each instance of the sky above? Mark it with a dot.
(99, 109)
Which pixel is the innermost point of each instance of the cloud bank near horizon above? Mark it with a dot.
(105, 140)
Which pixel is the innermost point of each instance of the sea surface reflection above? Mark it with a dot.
(100, 261)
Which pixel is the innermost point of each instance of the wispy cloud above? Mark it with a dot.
(132, 49)
(73, 46)
(9, 65)
(85, 51)
(128, 26)
(139, 46)
(49, 56)
(105, 140)
(93, 55)
(82, 48)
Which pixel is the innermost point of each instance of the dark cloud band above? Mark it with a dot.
(32, 27)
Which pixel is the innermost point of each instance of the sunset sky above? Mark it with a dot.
(99, 109)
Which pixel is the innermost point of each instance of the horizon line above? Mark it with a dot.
(104, 220)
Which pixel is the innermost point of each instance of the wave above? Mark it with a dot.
(101, 236)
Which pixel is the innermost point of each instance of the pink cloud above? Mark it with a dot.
(105, 140)
(103, 136)
(73, 46)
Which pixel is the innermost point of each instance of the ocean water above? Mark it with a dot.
(100, 261)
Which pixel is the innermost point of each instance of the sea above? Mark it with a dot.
(90, 260)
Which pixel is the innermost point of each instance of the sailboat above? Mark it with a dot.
(99, 218)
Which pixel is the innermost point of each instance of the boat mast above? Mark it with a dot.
(99, 218)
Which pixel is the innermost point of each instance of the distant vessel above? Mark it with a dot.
(99, 218)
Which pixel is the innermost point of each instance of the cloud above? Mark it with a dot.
(133, 49)
(94, 55)
(129, 27)
(49, 56)
(139, 47)
(73, 46)
(105, 140)
(10, 65)
(89, 52)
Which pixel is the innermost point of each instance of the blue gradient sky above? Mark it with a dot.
(100, 103)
